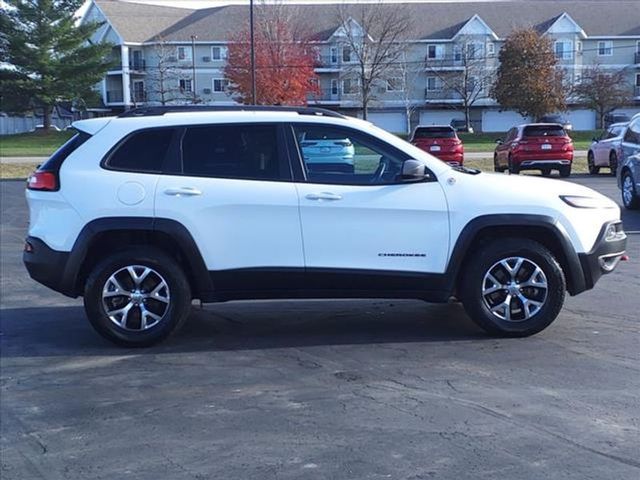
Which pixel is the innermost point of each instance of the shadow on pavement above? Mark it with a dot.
(63, 331)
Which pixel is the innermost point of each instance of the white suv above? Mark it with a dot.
(143, 213)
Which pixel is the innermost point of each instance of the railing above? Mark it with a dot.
(637, 91)
(440, 63)
(114, 96)
(441, 94)
(139, 97)
(138, 66)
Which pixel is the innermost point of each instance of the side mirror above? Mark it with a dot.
(499, 141)
(594, 139)
(413, 171)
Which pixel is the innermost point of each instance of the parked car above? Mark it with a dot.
(441, 141)
(603, 151)
(143, 213)
(324, 152)
(555, 118)
(461, 126)
(628, 174)
(611, 118)
(40, 128)
(535, 146)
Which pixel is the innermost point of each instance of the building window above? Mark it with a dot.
(433, 84)
(346, 53)
(475, 50)
(138, 91)
(334, 54)
(579, 47)
(185, 85)
(218, 53)
(349, 86)
(394, 84)
(605, 48)
(435, 52)
(220, 84)
(457, 53)
(184, 53)
(637, 80)
(563, 49)
(638, 46)
(491, 49)
(334, 87)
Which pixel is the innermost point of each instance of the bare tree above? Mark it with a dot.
(408, 73)
(603, 91)
(164, 78)
(373, 33)
(471, 80)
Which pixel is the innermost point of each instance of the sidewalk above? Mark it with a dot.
(22, 160)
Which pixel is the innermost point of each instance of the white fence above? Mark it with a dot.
(13, 125)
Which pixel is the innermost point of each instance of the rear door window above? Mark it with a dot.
(144, 151)
(633, 133)
(544, 131)
(248, 152)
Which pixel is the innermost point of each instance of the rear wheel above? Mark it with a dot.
(546, 172)
(137, 298)
(513, 287)
(496, 167)
(513, 169)
(629, 192)
(591, 163)
(613, 163)
(565, 171)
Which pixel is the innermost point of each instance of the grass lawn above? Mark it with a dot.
(38, 144)
(16, 170)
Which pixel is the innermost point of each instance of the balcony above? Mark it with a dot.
(443, 64)
(139, 96)
(637, 58)
(441, 95)
(138, 66)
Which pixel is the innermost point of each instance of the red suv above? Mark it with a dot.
(441, 141)
(536, 146)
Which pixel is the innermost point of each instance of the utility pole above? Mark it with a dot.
(193, 66)
(253, 55)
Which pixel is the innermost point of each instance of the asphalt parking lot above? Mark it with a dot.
(320, 389)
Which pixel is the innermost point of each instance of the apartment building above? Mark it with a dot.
(448, 38)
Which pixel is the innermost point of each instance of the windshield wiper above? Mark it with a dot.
(470, 171)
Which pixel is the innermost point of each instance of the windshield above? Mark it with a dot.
(544, 131)
(434, 132)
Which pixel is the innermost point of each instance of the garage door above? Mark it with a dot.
(439, 117)
(496, 121)
(394, 122)
(582, 119)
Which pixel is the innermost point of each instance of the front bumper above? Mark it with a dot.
(47, 266)
(606, 253)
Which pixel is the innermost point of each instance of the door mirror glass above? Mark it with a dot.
(499, 141)
(414, 171)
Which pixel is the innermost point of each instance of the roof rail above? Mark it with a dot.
(161, 110)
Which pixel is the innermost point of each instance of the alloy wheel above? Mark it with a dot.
(514, 289)
(627, 190)
(136, 298)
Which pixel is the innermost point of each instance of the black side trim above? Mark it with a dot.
(570, 261)
(252, 283)
(45, 264)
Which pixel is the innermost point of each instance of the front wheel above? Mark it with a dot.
(137, 298)
(629, 192)
(513, 169)
(591, 163)
(513, 287)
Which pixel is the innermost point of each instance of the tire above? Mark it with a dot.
(496, 167)
(513, 169)
(593, 170)
(565, 171)
(545, 172)
(520, 321)
(629, 193)
(613, 163)
(154, 310)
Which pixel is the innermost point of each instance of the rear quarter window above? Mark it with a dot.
(143, 151)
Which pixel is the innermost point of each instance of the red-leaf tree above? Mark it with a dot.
(284, 61)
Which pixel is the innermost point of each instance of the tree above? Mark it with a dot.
(603, 91)
(373, 34)
(528, 79)
(473, 79)
(404, 78)
(285, 60)
(52, 56)
(164, 78)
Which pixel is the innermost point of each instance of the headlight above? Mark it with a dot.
(578, 201)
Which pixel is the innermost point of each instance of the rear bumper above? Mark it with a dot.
(47, 266)
(542, 160)
(605, 254)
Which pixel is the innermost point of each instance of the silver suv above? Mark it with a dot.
(629, 166)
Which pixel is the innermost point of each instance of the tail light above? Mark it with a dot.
(42, 180)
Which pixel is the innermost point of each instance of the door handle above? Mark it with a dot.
(323, 196)
(183, 192)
